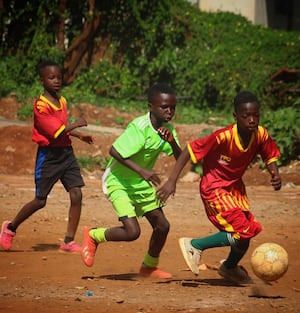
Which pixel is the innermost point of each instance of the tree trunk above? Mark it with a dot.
(82, 45)
(61, 25)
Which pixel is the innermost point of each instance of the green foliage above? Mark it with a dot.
(25, 112)
(283, 125)
(102, 80)
(92, 163)
(207, 56)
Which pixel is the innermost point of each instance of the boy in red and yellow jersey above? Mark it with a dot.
(226, 155)
(55, 158)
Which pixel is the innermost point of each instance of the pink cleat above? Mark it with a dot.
(72, 247)
(6, 236)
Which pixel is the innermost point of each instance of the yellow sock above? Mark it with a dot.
(98, 234)
(150, 261)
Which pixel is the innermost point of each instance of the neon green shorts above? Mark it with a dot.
(136, 204)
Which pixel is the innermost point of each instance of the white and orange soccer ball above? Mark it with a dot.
(269, 261)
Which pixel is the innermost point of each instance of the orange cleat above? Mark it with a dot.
(89, 247)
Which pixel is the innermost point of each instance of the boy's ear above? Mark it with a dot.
(234, 115)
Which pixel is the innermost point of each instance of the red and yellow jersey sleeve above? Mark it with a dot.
(50, 122)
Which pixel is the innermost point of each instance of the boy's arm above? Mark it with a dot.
(80, 122)
(275, 178)
(84, 137)
(149, 175)
(167, 135)
(169, 187)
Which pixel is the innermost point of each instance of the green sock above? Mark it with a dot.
(219, 239)
(150, 261)
(236, 253)
(98, 234)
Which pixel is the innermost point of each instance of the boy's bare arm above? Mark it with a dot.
(169, 187)
(84, 137)
(80, 122)
(275, 177)
(167, 135)
(147, 174)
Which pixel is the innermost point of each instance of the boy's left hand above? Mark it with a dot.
(165, 134)
(87, 138)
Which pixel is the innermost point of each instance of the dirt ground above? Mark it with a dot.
(35, 276)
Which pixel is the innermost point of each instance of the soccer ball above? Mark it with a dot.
(269, 261)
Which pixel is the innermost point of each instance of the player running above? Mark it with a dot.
(226, 155)
(129, 181)
(55, 159)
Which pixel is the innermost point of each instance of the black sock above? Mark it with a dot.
(11, 228)
(68, 239)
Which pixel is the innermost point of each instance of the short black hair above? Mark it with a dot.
(46, 63)
(244, 97)
(158, 88)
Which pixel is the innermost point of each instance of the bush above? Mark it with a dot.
(283, 125)
(206, 56)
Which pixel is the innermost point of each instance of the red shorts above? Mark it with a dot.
(241, 224)
(229, 211)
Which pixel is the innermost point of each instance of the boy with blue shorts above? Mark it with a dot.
(129, 181)
(55, 159)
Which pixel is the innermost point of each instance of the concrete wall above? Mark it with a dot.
(277, 14)
(253, 10)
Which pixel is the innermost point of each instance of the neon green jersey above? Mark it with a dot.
(141, 143)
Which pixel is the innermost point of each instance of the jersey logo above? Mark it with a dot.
(246, 229)
(225, 160)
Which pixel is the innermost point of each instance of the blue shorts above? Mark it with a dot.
(53, 164)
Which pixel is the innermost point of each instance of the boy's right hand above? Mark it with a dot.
(167, 189)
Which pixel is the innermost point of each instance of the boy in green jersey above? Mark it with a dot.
(129, 181)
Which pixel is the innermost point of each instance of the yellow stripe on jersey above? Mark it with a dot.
(223, 222)
(59, 131)
(272, 160)
(192, 155)
(41, 105)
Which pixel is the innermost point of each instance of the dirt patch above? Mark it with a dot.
(35, 276)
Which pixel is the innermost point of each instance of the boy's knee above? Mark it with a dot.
(163, 227)
(133, 234)
(40, 202)
(75, 194)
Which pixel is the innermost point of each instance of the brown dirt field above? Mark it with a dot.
(35, 276)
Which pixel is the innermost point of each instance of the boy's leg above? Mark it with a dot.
(93, 236)
(237, 252)
(192, 248)
(160, 226)
(68, 172)
(230, 269)
(9, 228)
(69, 244)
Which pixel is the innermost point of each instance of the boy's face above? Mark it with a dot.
(247, 116)
(51, 78)
(163, 107)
